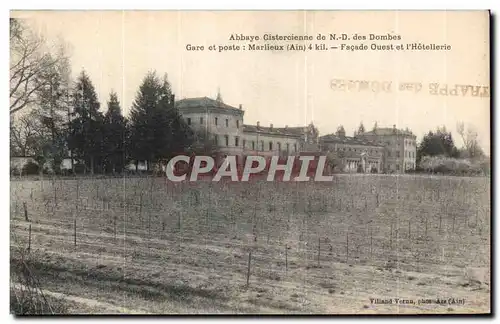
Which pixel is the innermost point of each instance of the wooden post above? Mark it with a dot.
(140, 206)
(453, 225)
(114, 225)
(391, 236)
(77, 193)
(29, 239)
(371, 242)
(286, 257)
(74, 225)
(440, 221)
(25, 212)
(426, 219)
(149, 223)
(347, 247)
(55, 192)
(248, 270)
(319, 250)
(31, 194)
(409, 230)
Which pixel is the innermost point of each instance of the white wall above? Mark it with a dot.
(266, 138)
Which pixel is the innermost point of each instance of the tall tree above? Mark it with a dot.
(31, 64)
(54, 107)
(115, 134)
(157, 130)
(30, 136)
(471, 148)
(86, 138)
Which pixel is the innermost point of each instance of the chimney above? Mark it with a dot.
(241, 106)
(394, 128)
(271, 127)
(258, 124)
(286, 126)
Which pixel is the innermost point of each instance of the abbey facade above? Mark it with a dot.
(222, 127)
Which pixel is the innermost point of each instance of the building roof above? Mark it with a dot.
(332, 138)
(203, 102)
(388, 131)
(287, 131)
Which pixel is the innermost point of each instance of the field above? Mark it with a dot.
(142, 245)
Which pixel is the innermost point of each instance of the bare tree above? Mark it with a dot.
(32, 65)
(471, 143)
(29, 136)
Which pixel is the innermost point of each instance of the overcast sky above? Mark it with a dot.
(287, 88)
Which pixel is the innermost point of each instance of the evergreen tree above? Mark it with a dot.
(115, 134)
(157, 130)
(437, 143)
(85, 137)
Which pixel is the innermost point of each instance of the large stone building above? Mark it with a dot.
(388, 150)
(400, 147)
(223, 125)
(353, 154)
(380, 150)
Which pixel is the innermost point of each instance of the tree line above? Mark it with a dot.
(440, 142)
(54, 117)
(103, 141)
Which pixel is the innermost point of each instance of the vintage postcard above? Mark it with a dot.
(250, 162)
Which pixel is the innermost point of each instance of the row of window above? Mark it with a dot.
(407, 142)
(410, 142)
(252, 144)
(216, 122)
(408, 154)
(408, 166)
(355, 150)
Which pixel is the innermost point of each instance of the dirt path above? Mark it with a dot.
(88, 303)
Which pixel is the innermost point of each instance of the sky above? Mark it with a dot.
(118, 48)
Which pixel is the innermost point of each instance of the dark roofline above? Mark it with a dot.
(332, 138)
(267, 130)
(389, 131)
(206, 102)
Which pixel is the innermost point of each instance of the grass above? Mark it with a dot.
(147, 245)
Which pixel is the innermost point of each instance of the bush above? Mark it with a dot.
(26, 294)
(30, 168)
(450, 166)
(14, 171)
